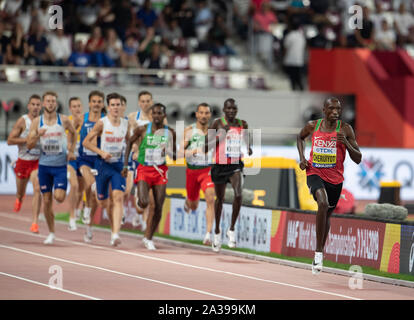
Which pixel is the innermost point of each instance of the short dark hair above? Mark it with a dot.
(143, 93)
(229, 100)
(111, 96)
(203, 104)
(73, 99)
(35, 96)
(123, 99)
(96, 93)
(331, 99)
(158, 105)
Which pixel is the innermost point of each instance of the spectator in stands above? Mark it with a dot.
(185, 17)
(378, 15)
(257, 4)
(106, 17)
(403, 20)
(79, 57)
(123, 17)
(39, 51)
(320, 41)
(217, 36)
(410, 37)
(294, 46)
(25, 16)
(147, 14)
(43, 16)
(88, 15)
(318, 11)
(364, 37)
(171, 34)
(242, 10)
(17, 51)
(298, 11)
(60, 48)
(203, 20)
(385, 38)
(263, 20)
(11, 10)
(113, 46)
(3, 41)
(96, 48)
(129, 58)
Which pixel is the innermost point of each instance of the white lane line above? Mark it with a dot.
(46, 285)
(191, 266)
(116, 272)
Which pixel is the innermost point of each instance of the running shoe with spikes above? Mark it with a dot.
(87, 237)
(232, 239)
(115, 240)
(207, 239)
(317, 263)
(149, 244)
(216, 244)
(17, 205)
(50, 239)
(34, 228)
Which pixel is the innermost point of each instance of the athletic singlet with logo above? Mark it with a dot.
(327, 156)
(229, 149)
(77, 137)
(152, 147)
(87, 126)
(24, 153)
(113, 139)
(53, 144)
(197, 141)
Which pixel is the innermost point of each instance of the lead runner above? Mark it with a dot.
(330, 139)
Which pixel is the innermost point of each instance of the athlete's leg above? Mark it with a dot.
(220, 189)
(321, 218)
(91, 198)
(48, 211)
(143, 194)
(155, 218)
(117, 209)
(37, 197)
(21, 185)
(236, 183)
(73, 193)
(209, 195)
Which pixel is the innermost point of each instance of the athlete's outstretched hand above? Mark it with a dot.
(71, 156)
(41, 131)
(303, 164)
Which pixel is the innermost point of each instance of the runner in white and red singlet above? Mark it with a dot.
(330, 139)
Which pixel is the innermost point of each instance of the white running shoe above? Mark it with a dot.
(87, 237)
(232, 239)
(207, 239)
(149, 244)
(115, 240)
(317, 263)
(216, 245)
(72, 224)
(86, 219)
(50, 239)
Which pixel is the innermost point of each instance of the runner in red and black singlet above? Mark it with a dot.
(228, 167)
(330, 139)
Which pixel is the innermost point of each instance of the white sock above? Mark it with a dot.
(87, 212)
(318, 257)
(77, 213)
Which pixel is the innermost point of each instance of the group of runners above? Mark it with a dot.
(103, 153)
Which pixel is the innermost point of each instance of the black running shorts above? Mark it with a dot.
(221, 173)
(332, 190)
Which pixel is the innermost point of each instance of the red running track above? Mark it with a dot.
(130, 272)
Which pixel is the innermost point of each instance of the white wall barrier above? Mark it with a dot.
(253, 227)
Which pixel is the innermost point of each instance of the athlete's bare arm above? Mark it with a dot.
(347, 136)
(14, 136)
(88, 142)
(34, 133)
(210, 140)
(247, 137)
(136, 138)
(300, 142)
(72, 137)
(174, 144)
